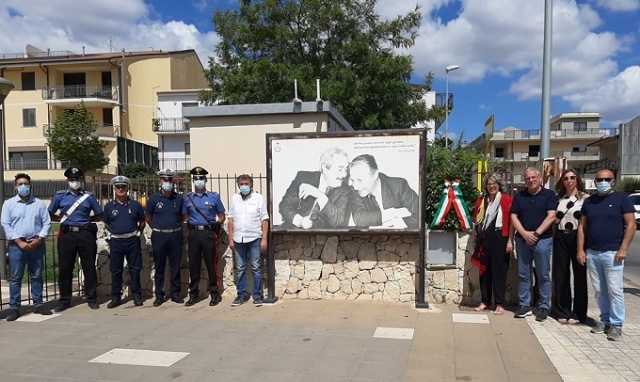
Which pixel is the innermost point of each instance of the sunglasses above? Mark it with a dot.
(572, 177)
(167, 179)
(599, 180)
(120, 186)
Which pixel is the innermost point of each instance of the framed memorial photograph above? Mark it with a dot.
(355, 182)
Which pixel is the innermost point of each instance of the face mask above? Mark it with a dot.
(74, 185)
(245, 190)
(24, 190)
(199, 184)
(603, 187)
(167, 186)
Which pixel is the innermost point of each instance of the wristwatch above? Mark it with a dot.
(536, 234)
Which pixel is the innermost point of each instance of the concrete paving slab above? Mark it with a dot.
(140, 357)
(394, 333)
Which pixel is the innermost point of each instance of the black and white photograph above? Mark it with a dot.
(362, 181)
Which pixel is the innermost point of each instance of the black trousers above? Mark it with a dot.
(84, 245)
(121, 249)
(494, 280)
(167, 245)
(203, 246)
(565, 253)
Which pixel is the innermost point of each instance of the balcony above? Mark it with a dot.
(35, 164)
(104, 132)
(170, 125)
(71, 95)
(572, 156)
(593, 133)
(176, 164)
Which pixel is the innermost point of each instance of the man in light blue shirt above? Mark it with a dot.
(26, 224)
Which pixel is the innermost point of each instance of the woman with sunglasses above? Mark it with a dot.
(493, 235)
(571, 195)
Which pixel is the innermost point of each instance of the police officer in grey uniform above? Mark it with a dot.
(77, 237)
(124, 222)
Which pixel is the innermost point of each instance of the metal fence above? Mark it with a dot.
(49, 276)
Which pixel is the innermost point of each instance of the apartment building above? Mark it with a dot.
(119, 88)
(572, 136)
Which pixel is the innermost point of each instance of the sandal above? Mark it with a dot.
(499, 310)
(481, 307)
(562, 320)
(572, 321)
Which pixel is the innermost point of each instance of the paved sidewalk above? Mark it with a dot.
(289, 341)
(580, 355)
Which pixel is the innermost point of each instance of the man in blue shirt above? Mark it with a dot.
(163, 214)
(532, 213)
(605, 231)
(124, 220)
(201, 209)
(26, 224)
(77, 237)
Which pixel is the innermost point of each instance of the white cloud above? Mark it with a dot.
(65, 25)
(505, 38)
(619, 5)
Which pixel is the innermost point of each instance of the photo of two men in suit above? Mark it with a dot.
(347, 193)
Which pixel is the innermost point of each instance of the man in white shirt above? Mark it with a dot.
(248, 228)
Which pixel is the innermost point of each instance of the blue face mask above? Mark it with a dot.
(167, 186)
(24, 190)
(199, 184)
(245, 190)
(603, 187)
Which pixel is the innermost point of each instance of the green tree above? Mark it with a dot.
(73, 139)
(267, 44)
(137, 170)
(457, 162)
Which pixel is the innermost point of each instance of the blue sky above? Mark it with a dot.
(497, 43)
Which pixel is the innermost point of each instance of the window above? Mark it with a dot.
(189, 104)
(534, 150)
(187, 149)
(29, 81)
(28, 117)
(107, 117)
(499, 152)
(579, 149)
(27, 160)
(579, 126)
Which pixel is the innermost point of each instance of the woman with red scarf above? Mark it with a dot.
(493, 236)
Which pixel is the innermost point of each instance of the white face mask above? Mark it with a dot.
(74, 185)
(199, 184)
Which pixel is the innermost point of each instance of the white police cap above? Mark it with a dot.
(166, 172)
(120, 180)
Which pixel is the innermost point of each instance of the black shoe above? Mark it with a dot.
(41, 310)
(158, 301)
(93, 305)
(238, 301)
(137, 301)
(116, 301)
(13, 315)
(62, 307)
(542, 314)
(192, 301)
(177, 299)
(257, 302)
(523, 312)
(215, 300)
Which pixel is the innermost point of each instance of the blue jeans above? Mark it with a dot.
(248, 252)
(18, 260)
(540, 254)
(606, 277)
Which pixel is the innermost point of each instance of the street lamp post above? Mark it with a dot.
(5, 88)
(446, 118)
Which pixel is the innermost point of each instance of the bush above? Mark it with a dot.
(628, 185)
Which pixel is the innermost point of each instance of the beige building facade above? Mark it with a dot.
(572, 136)
(118, 88)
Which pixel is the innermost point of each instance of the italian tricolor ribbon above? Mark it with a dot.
(451, 195)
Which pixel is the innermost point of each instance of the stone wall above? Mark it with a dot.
(329, 267)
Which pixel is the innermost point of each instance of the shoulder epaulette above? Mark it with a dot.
(61, 192)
